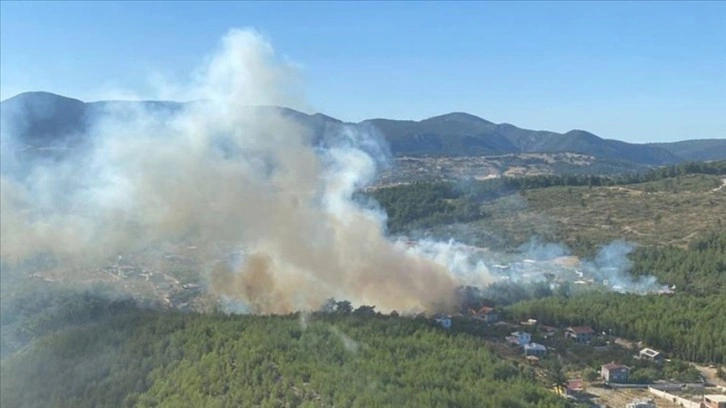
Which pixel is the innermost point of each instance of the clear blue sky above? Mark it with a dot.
(637, 71)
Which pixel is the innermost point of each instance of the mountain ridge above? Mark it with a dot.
(42, 118)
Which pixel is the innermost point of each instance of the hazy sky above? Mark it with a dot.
(639, 71)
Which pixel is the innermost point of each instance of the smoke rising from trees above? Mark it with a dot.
(233, 169)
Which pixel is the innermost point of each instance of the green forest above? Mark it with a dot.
(90, 348)
(122, 355)
(685, 326)
(689, 324)
(699, 269)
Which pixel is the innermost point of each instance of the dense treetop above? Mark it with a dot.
(125, 356)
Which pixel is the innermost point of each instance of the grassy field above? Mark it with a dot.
(665, 212)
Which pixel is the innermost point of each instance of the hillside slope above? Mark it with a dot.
(40, 119)
(700, 149)
(117, 355)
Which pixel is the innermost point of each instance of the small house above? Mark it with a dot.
(485, 314)
(652, 355)
(714, 401)
(535, 349)
(519, 338)
(644, 403)
(581, 334)
(570, 388)
(615, 373)
(547, 331)
(574, 386)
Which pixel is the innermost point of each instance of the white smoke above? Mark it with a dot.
(226, 169)
(231, 170)
(348, 342)
(611, 266)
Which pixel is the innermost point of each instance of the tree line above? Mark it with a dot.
(427, 204)
(699, 269)
(124, 355)
(686, 326)
(690, 324)
(423, 205)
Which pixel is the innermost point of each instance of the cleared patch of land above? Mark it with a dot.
(409, 169)
(666, 212)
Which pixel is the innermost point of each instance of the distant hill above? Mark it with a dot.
(462, 134)
(699, 150)
(455, 134)
(42, 119)
(39, 119)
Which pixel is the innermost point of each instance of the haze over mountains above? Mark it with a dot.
(41, 119)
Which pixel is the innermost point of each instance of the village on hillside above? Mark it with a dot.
(592, 367)
(582, 363)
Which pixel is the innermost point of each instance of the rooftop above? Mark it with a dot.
(483, 310)
(535, 346)
(581, 329)
(716, 397)
(613, 366)
(649, 352)
(574, 385)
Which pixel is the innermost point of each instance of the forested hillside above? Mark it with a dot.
(70, 349)
(690, 324)
(424, 205)
(671, 205)
(685, 326)
(125, 356)
(699, 269)
(673, 215)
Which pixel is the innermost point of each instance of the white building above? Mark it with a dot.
(646, 403)
(535, 349)
(650, 354)
(520, 338)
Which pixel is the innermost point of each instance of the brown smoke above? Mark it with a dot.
(151, 180)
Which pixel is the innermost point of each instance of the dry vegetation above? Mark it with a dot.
(666, 212)
(662, 212)
(409, 169)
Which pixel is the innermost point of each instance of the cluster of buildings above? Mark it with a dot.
(524, 340)
(578, 334)
(618, 373)
(520, 338)
(611, 373)
(485, 314)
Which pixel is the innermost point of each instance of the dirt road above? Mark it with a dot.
(710, 374)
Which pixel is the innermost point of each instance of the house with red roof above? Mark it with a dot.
(615, 373)
(581, 334)
(485, 314)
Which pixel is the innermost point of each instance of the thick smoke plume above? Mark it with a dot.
(266, 204)
(228, 170)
